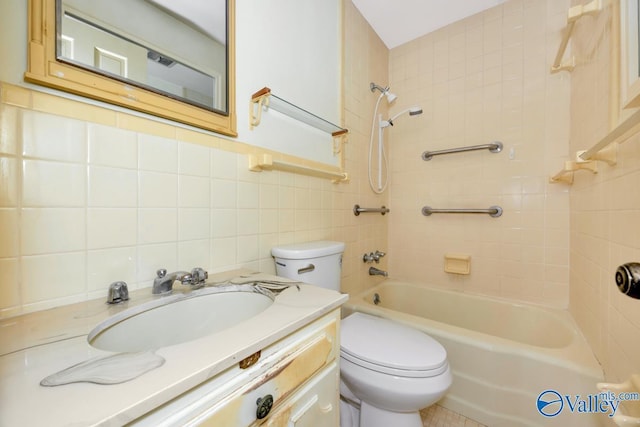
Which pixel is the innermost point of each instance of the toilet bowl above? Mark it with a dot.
(388, 371)
(393, 370)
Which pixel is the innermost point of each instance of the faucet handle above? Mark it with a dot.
(199, 276)
(118, 292)
(378, 255)
(161, 273)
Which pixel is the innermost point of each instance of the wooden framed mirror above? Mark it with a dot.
(60, 57)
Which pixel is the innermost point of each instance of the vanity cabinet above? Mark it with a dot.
(295, 382)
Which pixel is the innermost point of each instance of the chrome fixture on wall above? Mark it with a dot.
(494, 147)
(373, 256)
(357, 210)
(493, 211)
(377, 272)
(381, 125)
(384, 90)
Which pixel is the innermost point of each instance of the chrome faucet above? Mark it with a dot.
(376, 272)
(163, 283)
(118, 292)
(373, 256)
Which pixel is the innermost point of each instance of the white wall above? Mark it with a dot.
(294, 48)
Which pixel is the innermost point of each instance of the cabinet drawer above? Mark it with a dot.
(291, 368)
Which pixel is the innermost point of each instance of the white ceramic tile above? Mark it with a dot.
(286, 220)
(50, 230)
(194, 224)
(53, 184)
(9, 283)
(268, 221)
(268, 196)
(223, 164)
(223, 253)
(111, 227)
(106, 266)
(112, 147)
(248, 249)
(9, 168)
(157, 154)
(195, 253)
(194, 160)
(248, 221)
(9, 118)
(224, 223)
(48, 277)
(157, 190)
(50, 137)
(111, 187)
(151, 258)
(157, 226)
(194, 191)
(224, 193)
(248, 195)
(9, 233)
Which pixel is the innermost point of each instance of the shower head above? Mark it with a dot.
(384, 91)
(413, 111)
(390, 97)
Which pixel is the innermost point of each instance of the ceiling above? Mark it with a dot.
(401, 21)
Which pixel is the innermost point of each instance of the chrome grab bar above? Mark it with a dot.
(307, 269)
(493, 211)
(357, 210)
(494, 147)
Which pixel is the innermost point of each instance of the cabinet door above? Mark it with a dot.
(314, 405)
(296, 367)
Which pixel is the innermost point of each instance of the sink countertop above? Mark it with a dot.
(35, 345)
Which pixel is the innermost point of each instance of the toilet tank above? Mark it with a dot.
(317, 263)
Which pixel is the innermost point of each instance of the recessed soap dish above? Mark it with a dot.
(457, 263)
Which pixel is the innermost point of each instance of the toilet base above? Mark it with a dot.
(370, 416)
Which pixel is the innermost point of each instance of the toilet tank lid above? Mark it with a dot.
(308, 250)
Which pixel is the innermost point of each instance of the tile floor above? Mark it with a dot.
(438, 416)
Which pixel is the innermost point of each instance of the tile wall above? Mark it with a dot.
(483, 79)
(605, 207)
(87, 204)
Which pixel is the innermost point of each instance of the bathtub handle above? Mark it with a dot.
(307, 269)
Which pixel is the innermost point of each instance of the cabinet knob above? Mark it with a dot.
(264, 406)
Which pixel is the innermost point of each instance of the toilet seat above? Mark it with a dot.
(390, 348)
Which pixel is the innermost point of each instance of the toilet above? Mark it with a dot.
(388, 371)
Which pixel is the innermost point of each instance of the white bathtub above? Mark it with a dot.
(503, 354)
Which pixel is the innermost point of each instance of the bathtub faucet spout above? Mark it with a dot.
(376, 272)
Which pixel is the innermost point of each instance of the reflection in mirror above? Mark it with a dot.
(178, 50)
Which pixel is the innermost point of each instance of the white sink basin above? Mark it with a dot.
(178, 318)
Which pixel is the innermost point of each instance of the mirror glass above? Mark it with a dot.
(174, 48)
